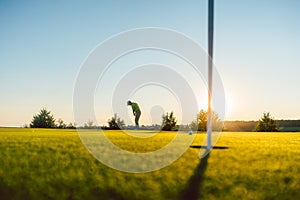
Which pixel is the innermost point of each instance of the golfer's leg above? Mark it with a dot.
(137, 117)
(136, 120)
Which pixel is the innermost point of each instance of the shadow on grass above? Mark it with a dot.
(192, 188)
(204, 147)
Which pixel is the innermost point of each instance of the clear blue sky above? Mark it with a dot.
(43, 44)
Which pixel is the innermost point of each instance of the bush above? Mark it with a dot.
(61, 124)
(169, 122)
(115, 123)
(267, 124)
(200, 123)
(43, 120)
(89, 125)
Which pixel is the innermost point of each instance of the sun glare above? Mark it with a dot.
(229, 104)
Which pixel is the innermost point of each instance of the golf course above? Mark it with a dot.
(54, 164)
(150, 100)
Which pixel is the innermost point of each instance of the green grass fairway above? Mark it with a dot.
(53, 164)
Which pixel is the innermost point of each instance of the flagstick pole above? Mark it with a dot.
(210, 70)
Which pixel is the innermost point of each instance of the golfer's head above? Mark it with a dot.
(129, 103)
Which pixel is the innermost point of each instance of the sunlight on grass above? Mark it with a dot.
(53, 164)
(139, 144)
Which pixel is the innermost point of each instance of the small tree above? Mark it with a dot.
(43, 120)
(61, 123)
(116, 123)
(89, 125)
(71, 126)
(200, 123)
(267, 124)
(169, 122)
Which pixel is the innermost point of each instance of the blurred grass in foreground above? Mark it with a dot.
(53, 164)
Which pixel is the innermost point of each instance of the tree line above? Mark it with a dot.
(249, 126)
(44, 119)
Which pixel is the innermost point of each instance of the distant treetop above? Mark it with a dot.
(267, 124)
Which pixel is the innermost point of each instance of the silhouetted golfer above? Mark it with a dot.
(136, 111)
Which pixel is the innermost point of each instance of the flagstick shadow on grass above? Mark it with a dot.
(192, 188)
(204, 147)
